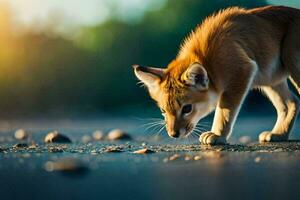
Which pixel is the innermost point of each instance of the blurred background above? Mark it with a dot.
(69, 57)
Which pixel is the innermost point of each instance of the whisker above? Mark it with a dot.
(195, 133)
(199, 129)
(161, 126)
(151, 123)
(147, 126)
(161, 129)
(204, 128)
(152, 126)
(147, 119)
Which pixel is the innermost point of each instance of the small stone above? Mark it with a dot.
(197, 157)
(98, 135)
(33, 146)
(94, 152)
(165, 160)
(20, 145)
(86, 139)
(174, 157)
(55, 137)
(279, 150)
(113, 150)
(143, 151)
(264, 151)
(55, 149)
(118, 134)
(66, 166)
(257, 159)
(187, 157)
(245, 140)
(144, 144)
(21, 134)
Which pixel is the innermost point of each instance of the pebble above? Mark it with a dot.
(20, 145)
(113, 150)
(98, 135)
(187, 157)
(144, 144)
(55, 149)
(94, 152)
(21, 134)
(197, 157)
(86, 139)
(33, 146)
(279, 150)
(118, 134)
(174, 157)
(55, 137)
(143, 151)
(66, 166)
(245, 140)
(257, 159)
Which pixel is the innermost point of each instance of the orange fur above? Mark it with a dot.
(236, 50)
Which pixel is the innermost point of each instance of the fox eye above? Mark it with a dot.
(186, 109)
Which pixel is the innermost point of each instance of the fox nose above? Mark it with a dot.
(174, 133)
(177, 133)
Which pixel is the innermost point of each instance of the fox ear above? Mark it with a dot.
(196, 76)
(150, 76)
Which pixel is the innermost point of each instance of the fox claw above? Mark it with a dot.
(211, 139)
(272, 137)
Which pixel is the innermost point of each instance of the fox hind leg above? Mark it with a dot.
(290, 53)
(286, 105)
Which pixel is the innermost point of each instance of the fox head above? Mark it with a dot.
(183, 93)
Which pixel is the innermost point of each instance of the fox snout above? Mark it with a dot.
(176, 130)
(176, 133)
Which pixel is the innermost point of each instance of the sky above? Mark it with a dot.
(91, 12)
(88, 12)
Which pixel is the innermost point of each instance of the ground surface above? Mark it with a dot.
(31, 169)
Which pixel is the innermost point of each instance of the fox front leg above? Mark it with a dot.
(227, 110)
(224, 119)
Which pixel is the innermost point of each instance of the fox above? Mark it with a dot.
(230, 53)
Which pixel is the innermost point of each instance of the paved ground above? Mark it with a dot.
(31, 169)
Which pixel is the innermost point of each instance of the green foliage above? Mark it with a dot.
(93, 71)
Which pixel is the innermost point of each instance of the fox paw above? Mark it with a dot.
(211, 139)
(267, 136)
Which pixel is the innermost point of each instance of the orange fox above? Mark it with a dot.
(230, 53)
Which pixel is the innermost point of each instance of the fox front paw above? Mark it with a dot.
(211, 139)
(267, 136)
